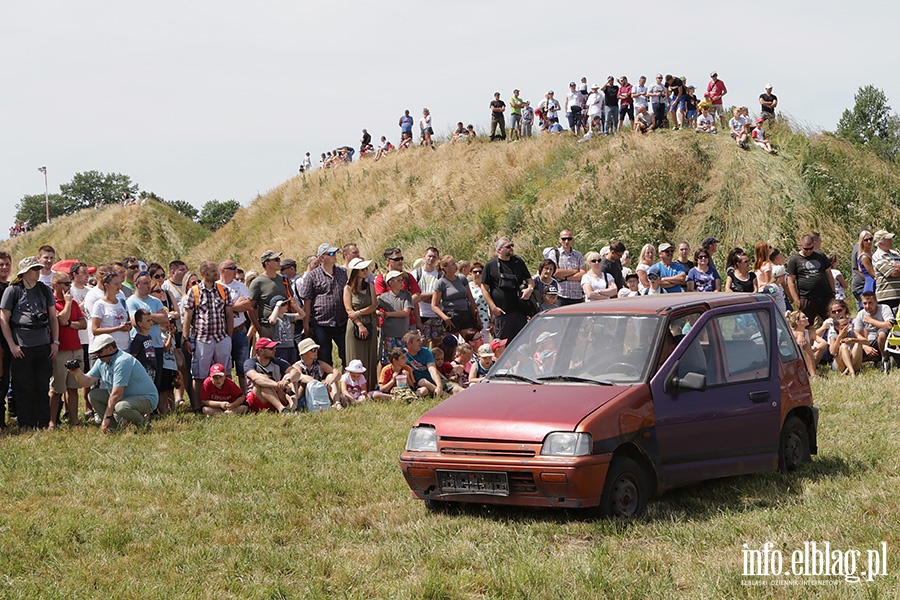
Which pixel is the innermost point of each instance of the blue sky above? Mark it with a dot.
(201, 100)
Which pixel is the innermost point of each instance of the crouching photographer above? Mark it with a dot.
(125, 389)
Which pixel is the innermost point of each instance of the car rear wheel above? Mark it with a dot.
(793, 449)
(627, 489)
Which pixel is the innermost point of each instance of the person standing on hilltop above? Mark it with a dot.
(426, 129)
(715, 90)
(574, 106)
(406, 125)
(767, 103)
(516, 105)
(498, 107)
(365, 141)
(677, 92)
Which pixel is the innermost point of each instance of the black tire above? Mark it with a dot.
(793, 448)
(627, 490)
(437, 506)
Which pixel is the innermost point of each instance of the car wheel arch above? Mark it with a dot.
(635, 453)
(805, 414)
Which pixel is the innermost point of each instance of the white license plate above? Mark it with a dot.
(473, 482)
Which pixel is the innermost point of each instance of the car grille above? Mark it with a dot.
(521, 481)
(488, 452)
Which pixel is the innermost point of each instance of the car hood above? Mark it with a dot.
(516, 412)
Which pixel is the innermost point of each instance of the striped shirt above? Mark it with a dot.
(887, 288)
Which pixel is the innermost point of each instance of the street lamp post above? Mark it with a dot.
(46, 192)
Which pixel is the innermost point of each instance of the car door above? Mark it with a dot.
(732, 426)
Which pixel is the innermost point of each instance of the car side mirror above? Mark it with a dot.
(690, 381)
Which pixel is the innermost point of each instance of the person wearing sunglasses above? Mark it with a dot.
(672, 276)
(702, 277)
(322, 293)
(864, 271)
(571, 267)
(507, 286)
(595, 284)
(810, 283)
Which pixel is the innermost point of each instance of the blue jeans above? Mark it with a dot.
(610, 119)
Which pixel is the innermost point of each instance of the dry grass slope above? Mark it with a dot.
(154, 231)
(669, 186)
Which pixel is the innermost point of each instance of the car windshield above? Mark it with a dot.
(598, 348)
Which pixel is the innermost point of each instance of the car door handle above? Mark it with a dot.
(760, 396)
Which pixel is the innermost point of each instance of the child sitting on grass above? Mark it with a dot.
(219, 394)
(759, 137)
(353, 385)
(396, 376)
(480, 368)
(463, 362)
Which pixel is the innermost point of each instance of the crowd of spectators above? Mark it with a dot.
(19, 228)
(137, 339)
(590, 110)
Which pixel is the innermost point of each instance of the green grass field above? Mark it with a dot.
(315, 506)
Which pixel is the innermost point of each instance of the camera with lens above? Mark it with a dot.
(40, 319)
(73, 364)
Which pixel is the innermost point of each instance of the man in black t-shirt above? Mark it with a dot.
(498, 106)
(767, 103)
(610, 106)
(677, 94)
(612, 263)
(504, 276)
(810, 283)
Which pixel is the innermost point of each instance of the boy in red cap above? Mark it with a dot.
(269, 377)
(219, 394)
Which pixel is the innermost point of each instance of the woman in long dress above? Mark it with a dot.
(360, 302)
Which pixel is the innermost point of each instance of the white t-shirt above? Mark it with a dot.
(882, 313)
(240, 291)
(706, 121)
(113, 315)
(427, 282)
(597, 283)
(640, 100)
(595, 104)
(573, 99)
(839, 293)
(90, 299)
(79, 295)
(355, 388)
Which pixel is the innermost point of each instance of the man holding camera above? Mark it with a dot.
(126, 390)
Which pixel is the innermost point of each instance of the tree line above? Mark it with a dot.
(93, 189)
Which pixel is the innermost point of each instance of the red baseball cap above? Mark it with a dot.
(265, 342)
(216, 369)
(497, 344)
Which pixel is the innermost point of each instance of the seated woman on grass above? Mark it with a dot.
(812, 349)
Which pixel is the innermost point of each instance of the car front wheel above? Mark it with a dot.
(627, 489)
(793, 449)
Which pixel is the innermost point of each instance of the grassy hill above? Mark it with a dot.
(153, 231)
(667, 186)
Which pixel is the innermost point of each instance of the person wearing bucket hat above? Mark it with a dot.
(353, 385)
(270, 379)
(361, 302)
(125, 392)
(322, 292)
(311, 368)
(31, 329)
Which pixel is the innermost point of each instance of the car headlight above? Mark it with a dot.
(566, 443)
(421, 439)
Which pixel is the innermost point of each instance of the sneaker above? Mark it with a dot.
(886, 365)
(97, 419)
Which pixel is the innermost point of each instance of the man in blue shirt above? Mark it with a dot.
(127, 389)
(672, 277)
(425, 372)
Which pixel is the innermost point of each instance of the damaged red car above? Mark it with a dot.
(606, 404)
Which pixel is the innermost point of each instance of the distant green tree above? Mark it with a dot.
(152, 196)
(32, 208)
(88, 188)
(872, 124)
(185, 208)
(215, 214)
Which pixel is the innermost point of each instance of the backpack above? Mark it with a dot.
(219, 287)
(316, 397)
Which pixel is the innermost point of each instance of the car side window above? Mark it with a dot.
(787, 347)
(745, 342)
